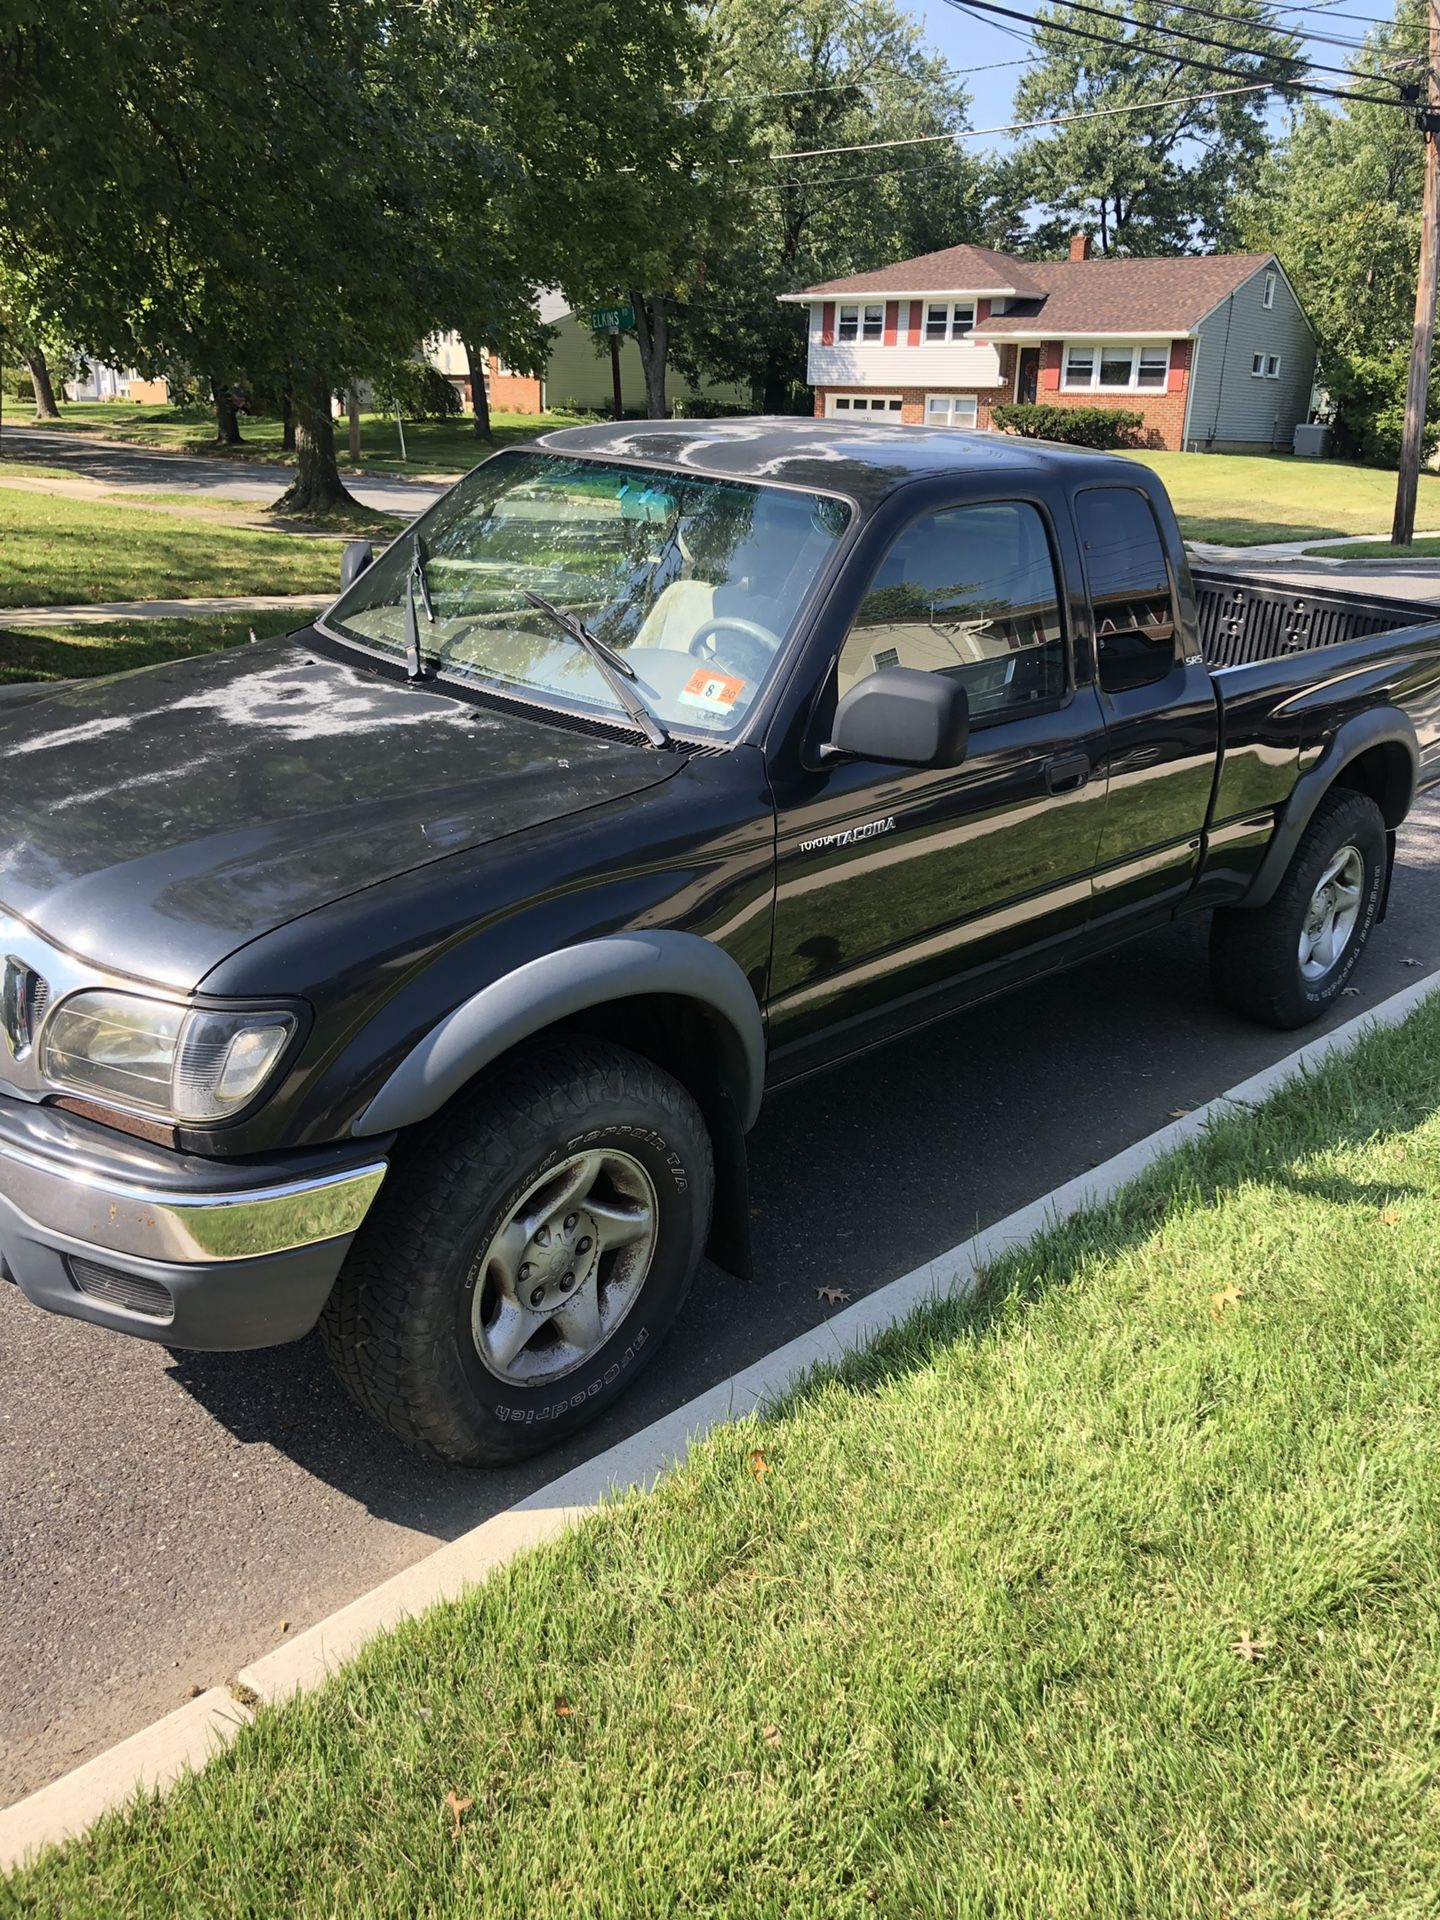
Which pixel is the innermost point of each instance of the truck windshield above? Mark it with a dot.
(694, 583)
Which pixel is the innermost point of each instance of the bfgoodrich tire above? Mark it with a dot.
(528, 1251)
(1286, 962)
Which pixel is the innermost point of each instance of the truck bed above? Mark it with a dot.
(1243, 620)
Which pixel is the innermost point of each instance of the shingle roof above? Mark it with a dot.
(1127, 296)
(1103, 295)
(952, 270)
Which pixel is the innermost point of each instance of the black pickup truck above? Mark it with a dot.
(420, 974)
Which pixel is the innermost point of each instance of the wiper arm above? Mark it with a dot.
(414, 665)
(616, 671)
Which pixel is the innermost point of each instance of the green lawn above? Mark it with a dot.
(432, 446)
(1378, 555)
(56, 550)
(115, 646)
(1246, 499)
(1115, 1592)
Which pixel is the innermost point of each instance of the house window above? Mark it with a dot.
(1122, 367)
(948, 319)
(1267, 299)
(867, 405)
(951, 409)
(886, 657)
(1257, 366)
(872, 324)
(849, 327)
(1272, 366)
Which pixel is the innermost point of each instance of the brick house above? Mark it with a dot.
(1214, 351)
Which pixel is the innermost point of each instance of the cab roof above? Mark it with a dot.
(862, 462)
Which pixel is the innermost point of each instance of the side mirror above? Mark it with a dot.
(901, 714)
(357, 556)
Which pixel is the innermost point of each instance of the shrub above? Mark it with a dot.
(1367, 395)
(1076, 426)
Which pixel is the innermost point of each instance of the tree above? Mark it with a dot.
(1339, 202)
(1163, 180)
(811, 76)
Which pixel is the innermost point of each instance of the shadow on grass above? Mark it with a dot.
(71, 653)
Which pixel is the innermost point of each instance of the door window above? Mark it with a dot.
(971, 592)
(1129, 583)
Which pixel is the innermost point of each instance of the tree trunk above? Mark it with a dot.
(287, 423)
(45, 407)
(317, 487)
(352, 413)
(652, 336)
(227, 425)
(479, 398)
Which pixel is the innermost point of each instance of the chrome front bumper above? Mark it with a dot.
(151, 1223)
(197, 1253)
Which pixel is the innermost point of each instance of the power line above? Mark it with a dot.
(1324, 39)
(1177, 33)
(1295, 85)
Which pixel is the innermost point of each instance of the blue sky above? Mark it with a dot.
(966, 44)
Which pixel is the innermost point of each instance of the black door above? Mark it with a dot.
(1028, 384)
(903, 890)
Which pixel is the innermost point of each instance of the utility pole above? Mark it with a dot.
(1417, 391)
(617, 402)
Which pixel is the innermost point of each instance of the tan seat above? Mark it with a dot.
(684, 609)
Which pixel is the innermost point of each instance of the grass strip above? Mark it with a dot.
(1111, 1591)
(56, 550)
(1379, 555)
(1246, 500)
(116, 646)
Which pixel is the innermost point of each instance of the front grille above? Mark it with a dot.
(134, 1291)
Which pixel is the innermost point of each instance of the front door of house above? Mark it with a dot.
(1028, 384)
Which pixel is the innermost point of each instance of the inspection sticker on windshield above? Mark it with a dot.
(715, 692)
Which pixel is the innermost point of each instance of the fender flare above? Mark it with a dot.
(618, 966)
(1378, 727)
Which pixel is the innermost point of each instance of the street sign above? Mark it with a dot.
(612, 319)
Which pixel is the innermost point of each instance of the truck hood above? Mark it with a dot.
(153, 822)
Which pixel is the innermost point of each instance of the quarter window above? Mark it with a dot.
(969, 592)
(1129, 583)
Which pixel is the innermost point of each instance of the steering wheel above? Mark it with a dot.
(756, 649)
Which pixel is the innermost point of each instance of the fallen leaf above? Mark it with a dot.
(284, 1626)
(771, 1736)
(759, 1465)
(193, 1692)
(1230, 1296)
(1350, 992)
(563, 1706)
(1181, 1113)
(458, 1808)
(1389, 1216)
(1412, 963)
(832, 1296)
(1249, 1649)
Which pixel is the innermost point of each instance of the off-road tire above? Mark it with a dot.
(1254, 952)
(397, 1325)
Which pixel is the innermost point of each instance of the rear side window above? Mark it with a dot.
(1129, 585)
(969, 592)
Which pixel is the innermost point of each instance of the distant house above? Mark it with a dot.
(97, 381)
(577, 378)
(1213, 351)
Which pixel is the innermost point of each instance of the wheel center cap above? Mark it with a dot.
(558, 1261)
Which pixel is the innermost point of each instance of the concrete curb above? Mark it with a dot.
(186, 1739)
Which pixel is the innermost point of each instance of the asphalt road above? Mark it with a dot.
(153, 471)
(161, 1516)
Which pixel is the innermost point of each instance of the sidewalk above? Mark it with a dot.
(157, 609)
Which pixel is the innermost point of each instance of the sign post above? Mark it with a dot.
(614, 321)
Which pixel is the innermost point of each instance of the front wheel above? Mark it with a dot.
(1286, 962)
(528, 1251)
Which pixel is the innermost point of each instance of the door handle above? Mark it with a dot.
(1067, 772)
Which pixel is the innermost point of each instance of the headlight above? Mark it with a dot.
(184, 1063)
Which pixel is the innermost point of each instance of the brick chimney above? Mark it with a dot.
(1079, 246)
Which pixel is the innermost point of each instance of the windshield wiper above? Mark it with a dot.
(414, 665)
(616, 672)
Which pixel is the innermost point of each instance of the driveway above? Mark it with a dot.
(162, 1515)
(116, 465)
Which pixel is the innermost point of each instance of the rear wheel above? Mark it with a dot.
(1286, 962)
(527, 1253)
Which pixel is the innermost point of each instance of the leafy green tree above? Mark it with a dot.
(1162, 180)
(1339, 201)
(817, 75)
